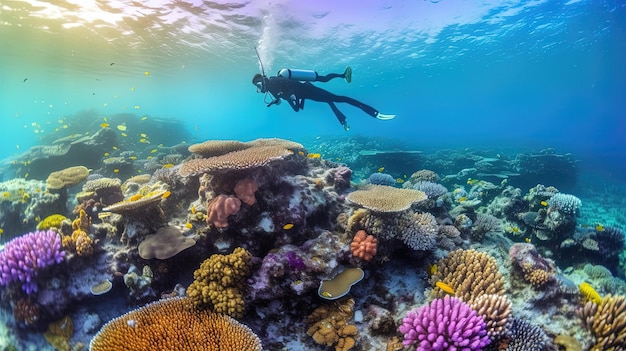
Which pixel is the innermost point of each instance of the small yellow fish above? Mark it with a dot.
(124, 134)
(168, 165)
(166, 194)
(515, 230)
(144, 118)
(114, 147)
(104, 125)
(132, 88)
(144, 140)
(1, 231)
(338, 159)
(133, 158)
(149, 157)
(65, 126)
(105, 105)
(135, 197)
(399, 180)
(432, 269)
(6, 194)
(288, 226)
(121, 127)
(193, 209)
(599, 227)
(327, 294)
(313, 155)
(527, 240)
(105, 119)
(26, 175)
(146, 73)
(106, 154)
(153, 151)
(463, 199)
(143, 135)
(381, 169)
(544, 203)
(471, 181)
(300, 153)
(188, 225)
(137, 107)
(116, 171)
(444, 287)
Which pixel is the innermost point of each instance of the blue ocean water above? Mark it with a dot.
(502, 76)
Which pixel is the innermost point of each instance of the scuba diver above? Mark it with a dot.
(294, 86)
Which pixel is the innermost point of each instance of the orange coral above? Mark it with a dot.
(363, 246)
(79, 241)
(245, 189)
(219, 208)
(328, 325)
(174, 324)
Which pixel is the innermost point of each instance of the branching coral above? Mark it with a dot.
(363, 246)
(174, 324)
(329, 325)
(607, 321)
(219, 282)
(470, 274)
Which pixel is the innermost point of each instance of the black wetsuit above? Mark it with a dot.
(295, 92)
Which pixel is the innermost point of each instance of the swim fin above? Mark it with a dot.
(347, 74)
(382, 117)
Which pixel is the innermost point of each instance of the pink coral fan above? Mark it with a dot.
(444, 324)
(363, 246)
(220, 208)
(25, 256)
(245, 189)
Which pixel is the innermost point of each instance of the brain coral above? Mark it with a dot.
(470, 274)
(382, 198)
(66, 177)
(174, 324)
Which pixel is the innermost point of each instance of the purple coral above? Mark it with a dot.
(445, 324)
(25, 256)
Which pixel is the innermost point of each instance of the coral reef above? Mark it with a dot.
(363, 246)
(607, 321)
(330, 325)
(220, 208)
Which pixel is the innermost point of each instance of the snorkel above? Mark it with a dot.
(264, 78)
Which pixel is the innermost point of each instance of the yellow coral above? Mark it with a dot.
(607, 321)
(52, 221)
(589, 293)
(219, 280)
(174, 324)
(66, 177)
(470, 274)
(83, 222)
(328, 325)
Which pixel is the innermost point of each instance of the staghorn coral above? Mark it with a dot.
(66, 177)
(219, 282)
(381, 198)
(363, 246)
(470, 274)
(24, 257)
(329, 325)
(444, 324)
(237, 160)
(165, 243)
(607, 322)
(497, 313)
(220, 207)
(174, 324)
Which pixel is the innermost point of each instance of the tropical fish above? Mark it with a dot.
(399, 180)
(544, 203)
(106, 154)
(444, 287)
(124, 134)
(137, 107)
(471, 181)
(166, 194)
(133, 157)
(432, 269)
(6, 194)
(1, 231)
(121, 127)
(314, 155)
(193, 209)
(515, 230)
(143, 135)
(104, 125)
(144, 118)
(188, 225)
(527, 240)
(114, 147)
(463, 199)
(116, 170)
(153, 151)
(135, 197)
(288, 226)
(168, 165)
(599, 227)
(327, 294)
(381, 169)
(300, 153)
(146, 73)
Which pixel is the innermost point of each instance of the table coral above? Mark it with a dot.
(382, 198)
(470, 274)
(444, 324)
(236, 160)
(24, 257)
(220, 207)
(363, 246)
(329, 325)
(174, 324)
(219, 282)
